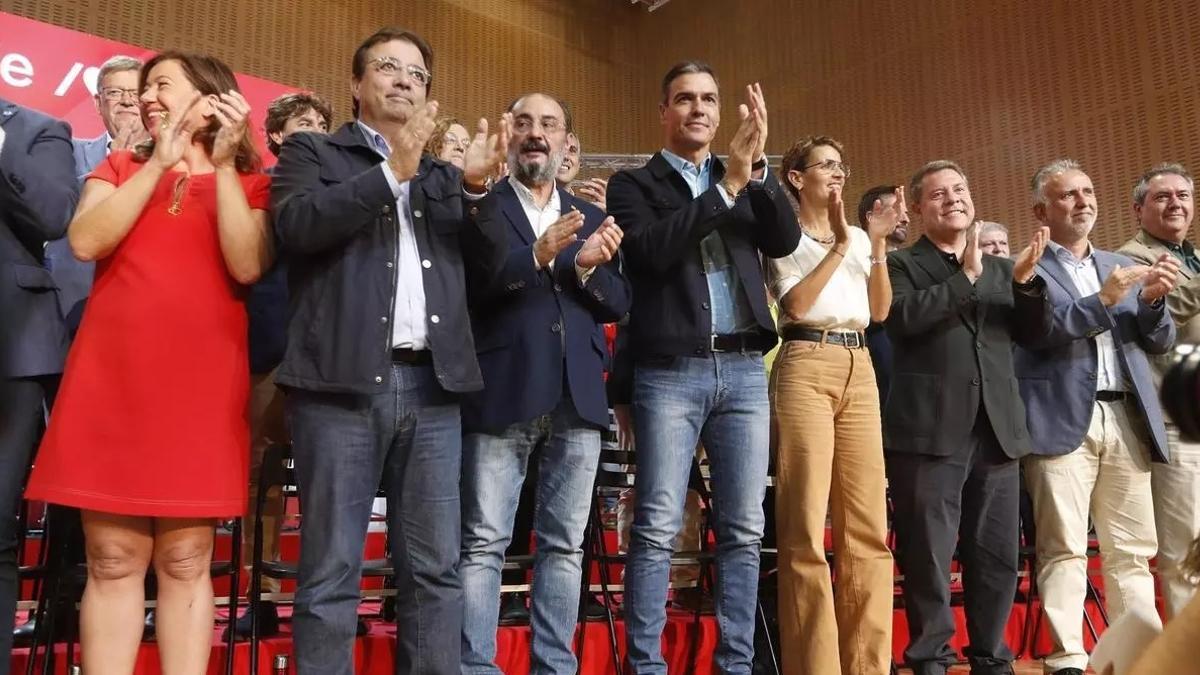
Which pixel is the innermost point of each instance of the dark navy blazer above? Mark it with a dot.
(539, 333)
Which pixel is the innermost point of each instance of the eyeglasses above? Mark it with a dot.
(116, 94)
(829, 166)
(391, 67)
(549, 124)
(452, 141)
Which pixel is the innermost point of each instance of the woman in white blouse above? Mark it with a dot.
(825, 418)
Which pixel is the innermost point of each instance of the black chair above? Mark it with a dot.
(278, 471)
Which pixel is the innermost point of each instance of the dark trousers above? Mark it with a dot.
(968, 499)
(21, 416)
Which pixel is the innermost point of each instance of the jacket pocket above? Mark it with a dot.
(914, 402)
(34, 278)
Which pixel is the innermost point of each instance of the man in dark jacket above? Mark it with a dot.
(542, 352)
(38, 193)
(695, 229)
(379, 349)
(954, 423)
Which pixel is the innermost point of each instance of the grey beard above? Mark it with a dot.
(537, 174)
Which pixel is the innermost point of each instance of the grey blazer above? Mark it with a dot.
(1057, 374)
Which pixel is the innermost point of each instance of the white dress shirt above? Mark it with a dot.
(539, 217)
(1, 139)
(408, 309)
(1086, 277)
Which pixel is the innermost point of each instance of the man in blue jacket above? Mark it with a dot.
(1094, 418)
(38, 193)
(379, 349)
(542, 353)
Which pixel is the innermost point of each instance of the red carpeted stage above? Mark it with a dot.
(374, 652)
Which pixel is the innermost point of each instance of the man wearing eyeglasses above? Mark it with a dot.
(117, 102)
(379, 350)
(695, 229)
(542, 353)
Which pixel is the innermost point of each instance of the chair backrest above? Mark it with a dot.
(277, 471)
(617, 467)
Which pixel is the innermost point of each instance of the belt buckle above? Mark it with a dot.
(853, 340)
(712, 343)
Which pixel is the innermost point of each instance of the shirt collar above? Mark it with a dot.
(374, 139)
(1186, 247)
(1066, 256)
(526, 196)
(685, 166)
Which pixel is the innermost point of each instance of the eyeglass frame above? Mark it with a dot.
(462, 143)
(829, 165)
(416, 73)
(133, 93)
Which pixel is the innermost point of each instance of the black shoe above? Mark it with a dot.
(148, 626)
(593, 610)
(23, 634)
(268, 622)
(361, 629)
(513, 610)
(1068, 671)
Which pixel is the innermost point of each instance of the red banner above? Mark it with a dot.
(54, 70)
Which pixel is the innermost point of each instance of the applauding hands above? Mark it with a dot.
(749, 141)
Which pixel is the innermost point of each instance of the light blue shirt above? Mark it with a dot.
(1086, 277)
(731, 311)
(408, 309)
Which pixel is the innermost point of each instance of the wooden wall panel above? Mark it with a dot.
(486, 51)
(1001, 85)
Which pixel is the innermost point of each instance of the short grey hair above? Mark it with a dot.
(986, 226)
(1142, 186)
(1037, 184)
(914, 185)
(117, 64)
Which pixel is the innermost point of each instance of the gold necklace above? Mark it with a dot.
(177, 199)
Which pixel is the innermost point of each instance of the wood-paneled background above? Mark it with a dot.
(1001, 86)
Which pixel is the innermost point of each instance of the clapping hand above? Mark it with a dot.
(409, 143)
(557, 237)
(882, 221)
(601, 246)
(174, 137)
(232, 112)
(487, 156)
(1161, 278)
(1025, 266)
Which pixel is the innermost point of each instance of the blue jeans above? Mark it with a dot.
(493, 471)
(410, 437)
(721, 401)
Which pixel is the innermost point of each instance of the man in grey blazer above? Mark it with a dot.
(117, 103)
(1163, 203)
(1094, 418)
(37, 198)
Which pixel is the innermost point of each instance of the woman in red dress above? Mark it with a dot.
(149, 435)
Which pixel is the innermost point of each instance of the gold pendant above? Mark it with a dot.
(174, 209)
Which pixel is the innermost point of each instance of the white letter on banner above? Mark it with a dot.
(68, 79)
(16, 70)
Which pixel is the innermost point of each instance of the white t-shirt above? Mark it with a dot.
(843, 303)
